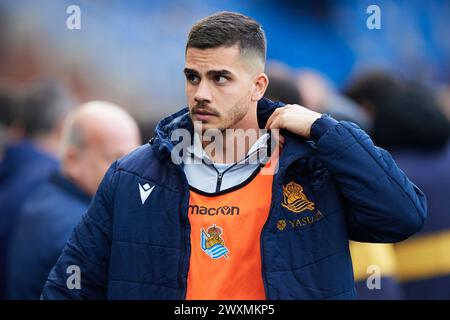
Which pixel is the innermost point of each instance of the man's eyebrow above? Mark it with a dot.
(222, 72)
(190, 71)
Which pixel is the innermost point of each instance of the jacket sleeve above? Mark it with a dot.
(87, 251)
(381, 204)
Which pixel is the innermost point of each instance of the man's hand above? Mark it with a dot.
(294, 118)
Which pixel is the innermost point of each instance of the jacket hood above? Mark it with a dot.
(181, 120)
(294, 147)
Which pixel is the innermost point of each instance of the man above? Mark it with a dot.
(30, 155)
(320, 94)
(279, 236)
(282, 88)
(95, 134)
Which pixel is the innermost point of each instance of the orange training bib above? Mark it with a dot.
(225, 260)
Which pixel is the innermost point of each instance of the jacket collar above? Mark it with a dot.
(295, 147)
(20, 154)
(68, 186)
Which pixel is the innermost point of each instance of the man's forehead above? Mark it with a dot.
(213, 58)
(222, 58)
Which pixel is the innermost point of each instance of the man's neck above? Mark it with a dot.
(47, 144)
(235, 142)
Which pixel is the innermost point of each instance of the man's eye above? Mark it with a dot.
(193, 79)
(220, 79)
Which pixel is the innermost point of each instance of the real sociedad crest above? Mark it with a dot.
(294, 198)
(212, 244)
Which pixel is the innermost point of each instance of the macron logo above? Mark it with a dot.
(145, 191)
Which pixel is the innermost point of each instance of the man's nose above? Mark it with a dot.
(203, 92)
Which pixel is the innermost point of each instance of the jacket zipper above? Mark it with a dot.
(184, 223)
(219, 181)
(221, 174)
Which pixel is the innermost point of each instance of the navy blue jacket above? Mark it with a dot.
(129, 250)
(46, 222)
(24, 167)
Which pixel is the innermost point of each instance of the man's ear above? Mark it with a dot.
(70, 162)
(260, 85)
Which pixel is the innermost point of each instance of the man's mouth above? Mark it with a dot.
(203, 115)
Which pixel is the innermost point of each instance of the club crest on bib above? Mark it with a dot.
(212, 243)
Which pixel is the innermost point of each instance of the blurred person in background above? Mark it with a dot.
(443, 96)
(311, 89)
(30, 155)
(397, 126)
(94, 135)
(282, 88)
(319, 95)
(375, 259)
(409, 123)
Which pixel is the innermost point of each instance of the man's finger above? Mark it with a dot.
(274, 114)
(275, 124)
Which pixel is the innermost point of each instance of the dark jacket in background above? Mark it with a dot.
(46, 221)
(23, 168)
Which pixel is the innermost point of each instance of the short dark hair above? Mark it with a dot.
(407, 114)
(282, 88)
(8, 105)
(44, 105)
(227, 29)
